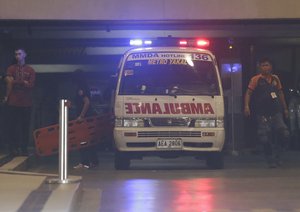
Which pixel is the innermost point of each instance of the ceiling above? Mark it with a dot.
(102, 42)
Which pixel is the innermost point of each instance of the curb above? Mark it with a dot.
(63, 196)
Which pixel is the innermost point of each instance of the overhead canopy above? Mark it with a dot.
(148, 10)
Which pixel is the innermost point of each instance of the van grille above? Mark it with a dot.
(170, 122)
(169, 134)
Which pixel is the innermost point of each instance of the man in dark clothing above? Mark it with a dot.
(270, 107)
(20, 81)
(88, 154)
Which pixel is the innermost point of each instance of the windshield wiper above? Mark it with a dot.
(172, 91)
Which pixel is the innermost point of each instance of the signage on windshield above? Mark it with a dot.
(168, 57)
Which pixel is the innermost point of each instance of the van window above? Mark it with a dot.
(146, 77)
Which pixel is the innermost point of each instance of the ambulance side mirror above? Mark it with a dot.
(114, 79)
(142, 88)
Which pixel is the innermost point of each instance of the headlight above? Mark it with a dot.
(209, 123)
(133, 122)
(118, 122)
(205, 123)
(220, 122)
(129, 122)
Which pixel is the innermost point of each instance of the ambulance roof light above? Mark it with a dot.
(148, 42)
(136, 42)
(202, 43)
(183, 42)
(140, 42)
(194, 42)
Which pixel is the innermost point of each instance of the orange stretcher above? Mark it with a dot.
(89, 131)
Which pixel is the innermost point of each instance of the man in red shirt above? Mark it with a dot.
(269, 110)
(20, 82)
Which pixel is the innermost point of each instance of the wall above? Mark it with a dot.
(148, 10)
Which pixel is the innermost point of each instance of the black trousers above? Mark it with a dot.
(89, 155)
(18, 123)
(273, 134)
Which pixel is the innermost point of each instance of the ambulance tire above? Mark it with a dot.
(215, 160)
(122, 161)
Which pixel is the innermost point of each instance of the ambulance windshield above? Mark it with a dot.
(169, 73)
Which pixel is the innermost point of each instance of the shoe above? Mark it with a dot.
(78, 166)
(81, 166)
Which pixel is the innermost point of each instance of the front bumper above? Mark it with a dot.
(145, 140)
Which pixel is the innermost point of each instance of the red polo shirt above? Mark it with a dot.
(23, 82)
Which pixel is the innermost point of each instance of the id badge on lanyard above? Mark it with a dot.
(273, 95)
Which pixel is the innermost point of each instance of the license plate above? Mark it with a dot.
(169, 143)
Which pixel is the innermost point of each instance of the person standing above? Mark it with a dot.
(20, 81)
(270, 107)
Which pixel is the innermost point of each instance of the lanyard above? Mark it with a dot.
(20, 74)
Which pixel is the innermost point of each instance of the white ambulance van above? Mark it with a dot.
(169, 103)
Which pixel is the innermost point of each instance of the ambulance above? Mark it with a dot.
(169, 103)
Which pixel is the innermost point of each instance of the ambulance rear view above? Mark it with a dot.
(169, 103)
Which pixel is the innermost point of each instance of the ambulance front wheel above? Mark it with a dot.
(122, 161)
(215, 160)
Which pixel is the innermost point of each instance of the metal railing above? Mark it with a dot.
(63, 145)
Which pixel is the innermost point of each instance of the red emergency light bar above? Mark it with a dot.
(196, 43)
(201, 43)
